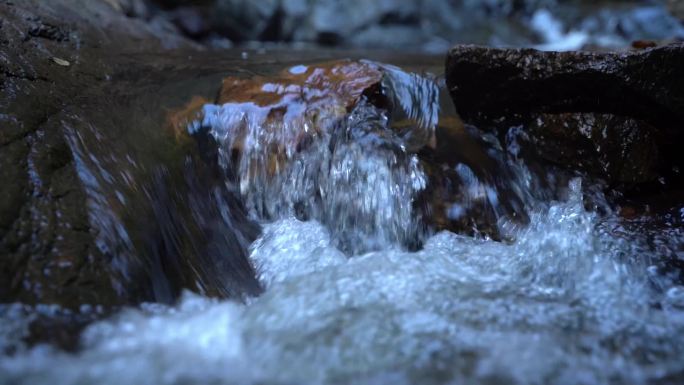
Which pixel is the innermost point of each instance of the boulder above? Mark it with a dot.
(625, 109)
(488, 83)
(100, 204)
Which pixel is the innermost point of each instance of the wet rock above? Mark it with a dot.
(334, 84)
(626, 108)
(470, 187)
(488, 83)
(617, 148)
(305, 101)
(41, 207)
(87, 216)
(291, 108)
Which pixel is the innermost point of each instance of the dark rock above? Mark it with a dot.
(618, 114)
(488, 83)
(100, 203)
(616, 148)
(470, 187)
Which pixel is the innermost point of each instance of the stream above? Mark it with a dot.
(356, 289)
(559, 305)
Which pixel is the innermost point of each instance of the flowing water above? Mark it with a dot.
(349, 171)
(571, 296)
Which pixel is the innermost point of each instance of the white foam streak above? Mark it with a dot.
(558, 306)
(350, 171)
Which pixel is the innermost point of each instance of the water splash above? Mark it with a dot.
(414, 103)
(558, 305)
(565, 300)
(330, 153)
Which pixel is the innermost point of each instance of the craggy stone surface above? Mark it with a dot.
(616, 115)
(621, 149)
(487, 83)
(99, 204)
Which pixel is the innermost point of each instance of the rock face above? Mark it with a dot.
(100, 204)
(629, 107)
(488, 83)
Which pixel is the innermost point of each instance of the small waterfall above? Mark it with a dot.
(331, 154)
(354, 146)
(349, 158)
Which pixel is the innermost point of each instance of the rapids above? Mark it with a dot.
(570, 297)
(559, 305)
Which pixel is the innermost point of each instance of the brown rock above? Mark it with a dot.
(332, 83)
